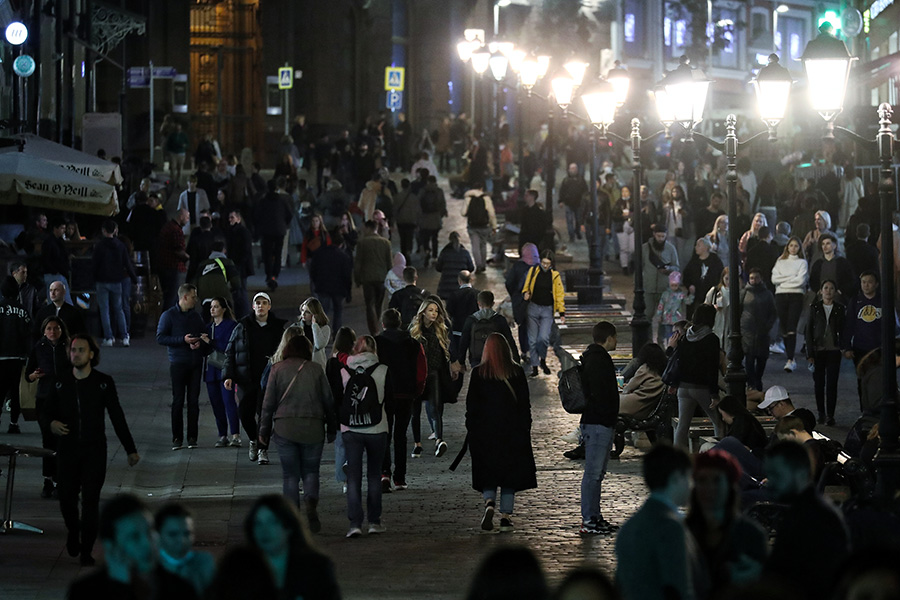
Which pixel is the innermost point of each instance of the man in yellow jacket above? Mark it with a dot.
(544, 293)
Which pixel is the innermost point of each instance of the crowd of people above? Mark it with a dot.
(309, 381)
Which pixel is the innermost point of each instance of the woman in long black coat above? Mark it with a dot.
(498, 421)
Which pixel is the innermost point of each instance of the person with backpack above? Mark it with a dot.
(498, 422)
(434, 209)
(430, 328)
(407, 213)
(368, 397)
(477, 328)
(333, 203)
(408, 299)
(453, 258)
(217, 276)
(406, 362)
(481, 220)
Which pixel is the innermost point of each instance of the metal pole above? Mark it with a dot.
(596, 264)
(152, 118)
(640, 326)
(551, 164)
(287, 110)
(775, 27)
(520, 125)
(735, 375)
(472, 112)
(887, 461)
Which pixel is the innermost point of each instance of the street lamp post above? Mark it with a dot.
(827, 63)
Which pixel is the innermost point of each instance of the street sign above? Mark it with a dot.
(138, 77)
(164, 72)
(16, 33)
(394, 78)
(394, 100)
(23, 65)
(285, 78)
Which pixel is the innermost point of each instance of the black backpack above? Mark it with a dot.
(361, 406)
(410, 306)
(481, 329)
(477, 214)
(431, 202)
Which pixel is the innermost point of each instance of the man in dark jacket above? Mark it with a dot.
(217, 276)
(598, 422)
(181, 330)
(253, 341)
(332, 276)
(406, 363)
(111, 266)
(407, 300)
(757, 319)
(58, 307)
(144, 223)
(172, 263)
(373, 261)
(811, 528)
(476, 329)
(761, 255)
(572, 192)
(834, 267)
(28, 296)
(239, 246)
(702, 272)
(534, 222)
(272, 216)
(76, 410)
(460, 304)
(200, 245)
(55, 256)
(15, 343)
(862, 255)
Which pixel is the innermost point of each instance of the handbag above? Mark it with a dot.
(216, 359)
(671, 375)
(571, 390)
(28, 397)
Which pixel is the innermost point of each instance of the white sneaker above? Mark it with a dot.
(790, 365)
(572, 438)
(377, 528)
(440, 449)
(433, 436)
(263, 457)
(254, 453)
(354, 532)
(126, 341)
(776, 348)
(107, 343)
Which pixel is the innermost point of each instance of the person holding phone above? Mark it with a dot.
(181, 329)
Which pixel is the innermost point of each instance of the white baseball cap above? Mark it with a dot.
(774, 394)
(262, 295)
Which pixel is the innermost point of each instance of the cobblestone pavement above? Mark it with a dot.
(433, 544)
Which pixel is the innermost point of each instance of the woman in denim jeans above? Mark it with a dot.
(297, 409)
(498, 422)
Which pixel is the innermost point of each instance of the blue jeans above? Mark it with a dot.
(340, 457)
(333, 304)
(540, 321)
(299, 462)
(111, 293)
(126, 301)
(507, 498)
(50, 278)
(597, 440)
(374, 445)
(574, 218)
(224, 408)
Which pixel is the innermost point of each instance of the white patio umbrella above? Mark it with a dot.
(74, 160)
(43, 184)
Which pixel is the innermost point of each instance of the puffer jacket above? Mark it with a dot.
(308, 398)
(241, 365)
(559, 294)
(53, 360)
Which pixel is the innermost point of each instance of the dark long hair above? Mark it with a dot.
(64, 331)
(288, 515)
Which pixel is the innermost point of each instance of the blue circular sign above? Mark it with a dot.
(23, 65)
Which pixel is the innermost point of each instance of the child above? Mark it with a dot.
(672, 307)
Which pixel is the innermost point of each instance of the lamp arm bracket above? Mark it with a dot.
(653, 136)
(720, 146)
(854, 136)
(752, 139)
(615, 136)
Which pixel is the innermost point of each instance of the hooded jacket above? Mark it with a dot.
(250, 347)
(15, 331)
(500, 326)
(383, 383)
(308, 398)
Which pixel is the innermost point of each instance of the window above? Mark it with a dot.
(633, 28)
(759, 25)
(792, 31)
(726, 54)
(676, 36)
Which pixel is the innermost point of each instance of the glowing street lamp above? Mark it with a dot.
(773, 87)
(481, 60)
(563, 89)
(576, 69)
(498, 64)
(827, 62)
(620, 81)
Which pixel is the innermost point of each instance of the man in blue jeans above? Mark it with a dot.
(112, 266)
(598, 422)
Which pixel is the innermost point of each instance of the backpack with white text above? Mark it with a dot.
(361, 406)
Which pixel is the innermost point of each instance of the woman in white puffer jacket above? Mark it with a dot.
(789, 276)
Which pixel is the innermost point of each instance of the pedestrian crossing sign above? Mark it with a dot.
(394, 78)
(285, 78)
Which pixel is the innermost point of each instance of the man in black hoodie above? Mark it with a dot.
(15, 342)
(272, 216)
(252, 342)
(406, 363)
(598, 423)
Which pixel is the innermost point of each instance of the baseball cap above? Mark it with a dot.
(262, 295)
(774, 394)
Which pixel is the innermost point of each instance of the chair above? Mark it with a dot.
(657, 424)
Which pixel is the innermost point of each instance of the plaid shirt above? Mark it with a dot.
(171, 244)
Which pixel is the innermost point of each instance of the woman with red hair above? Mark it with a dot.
(498, 421)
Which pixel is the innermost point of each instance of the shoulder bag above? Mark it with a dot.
(216, 359)
(571, 390)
